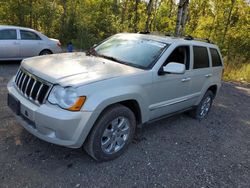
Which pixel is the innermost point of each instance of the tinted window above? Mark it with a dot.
(8, 34)
(179, 55)
(216, 61)
(132, 50)
(28, 35)
(200, 57)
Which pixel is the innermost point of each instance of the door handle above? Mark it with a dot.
(208, 75)
(185, 79)
(16, 43)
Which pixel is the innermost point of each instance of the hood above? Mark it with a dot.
(75, 68)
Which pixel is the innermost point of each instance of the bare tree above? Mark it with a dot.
(124, 10)
(116, 7)
(63, 18)
(149, 12)
(136, 15)
(181, 17)
(171, 3)
(228, 20)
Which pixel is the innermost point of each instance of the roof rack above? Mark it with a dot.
(189, 37)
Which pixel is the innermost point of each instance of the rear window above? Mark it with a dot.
(216, 60)
(200, 57)
(28, 35)
(8, 34)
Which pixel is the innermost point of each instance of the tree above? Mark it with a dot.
(181, 17)
(149, 12)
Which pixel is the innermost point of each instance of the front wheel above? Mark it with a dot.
(111, 134)
(201, 111)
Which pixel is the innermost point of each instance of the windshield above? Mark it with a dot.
(132, 50)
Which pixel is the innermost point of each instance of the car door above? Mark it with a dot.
(9, 45)
(31, 44)
(201, 73)
(171, 91)
(217, 65)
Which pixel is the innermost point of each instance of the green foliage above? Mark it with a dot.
(86, 22)
(237, 70)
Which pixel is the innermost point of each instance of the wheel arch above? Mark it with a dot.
(132, 104)
(213, 88)
(45, 49)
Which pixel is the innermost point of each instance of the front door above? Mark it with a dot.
(9, 45)
(171, 91)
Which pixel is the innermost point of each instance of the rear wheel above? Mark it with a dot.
(201, 111)
(45, 52)
(111, 134)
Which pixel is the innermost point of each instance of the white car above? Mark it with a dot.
(17, 43)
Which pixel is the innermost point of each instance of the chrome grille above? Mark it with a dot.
(32, 87)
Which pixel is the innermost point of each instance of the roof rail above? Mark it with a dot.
(189, 37)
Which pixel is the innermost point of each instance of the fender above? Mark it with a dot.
(100, 100)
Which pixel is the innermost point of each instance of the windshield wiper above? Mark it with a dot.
(109, 58)
(119, 61)
(91, 51)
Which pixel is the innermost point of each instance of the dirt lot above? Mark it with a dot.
(175, 152)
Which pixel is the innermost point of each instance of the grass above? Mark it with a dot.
(237, 71)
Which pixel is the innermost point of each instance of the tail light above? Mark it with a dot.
(59, 44)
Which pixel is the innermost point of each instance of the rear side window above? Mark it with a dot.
(8, 34)
(28, 35)
(200, 57)
(216, 61)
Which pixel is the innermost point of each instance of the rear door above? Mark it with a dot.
(31, 44)
(217, 65)
(9, 45)
(202, 73)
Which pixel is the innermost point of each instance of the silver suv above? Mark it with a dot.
(98, 98)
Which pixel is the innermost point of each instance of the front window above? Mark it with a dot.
(132, 50)
(8, 34)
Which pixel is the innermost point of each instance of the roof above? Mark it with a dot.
(170, 39)
(14, 27)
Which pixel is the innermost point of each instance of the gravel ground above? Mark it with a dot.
(174, 152)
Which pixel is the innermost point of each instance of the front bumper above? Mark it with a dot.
(51, 123)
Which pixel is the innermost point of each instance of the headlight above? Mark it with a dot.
(66, 98)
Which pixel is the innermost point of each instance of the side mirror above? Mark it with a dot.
(174, 68)
(94, 45)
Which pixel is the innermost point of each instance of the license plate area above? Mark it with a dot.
(14, 104)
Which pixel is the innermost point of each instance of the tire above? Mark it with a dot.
(202, 110)
(45, 52)
(111, 134)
